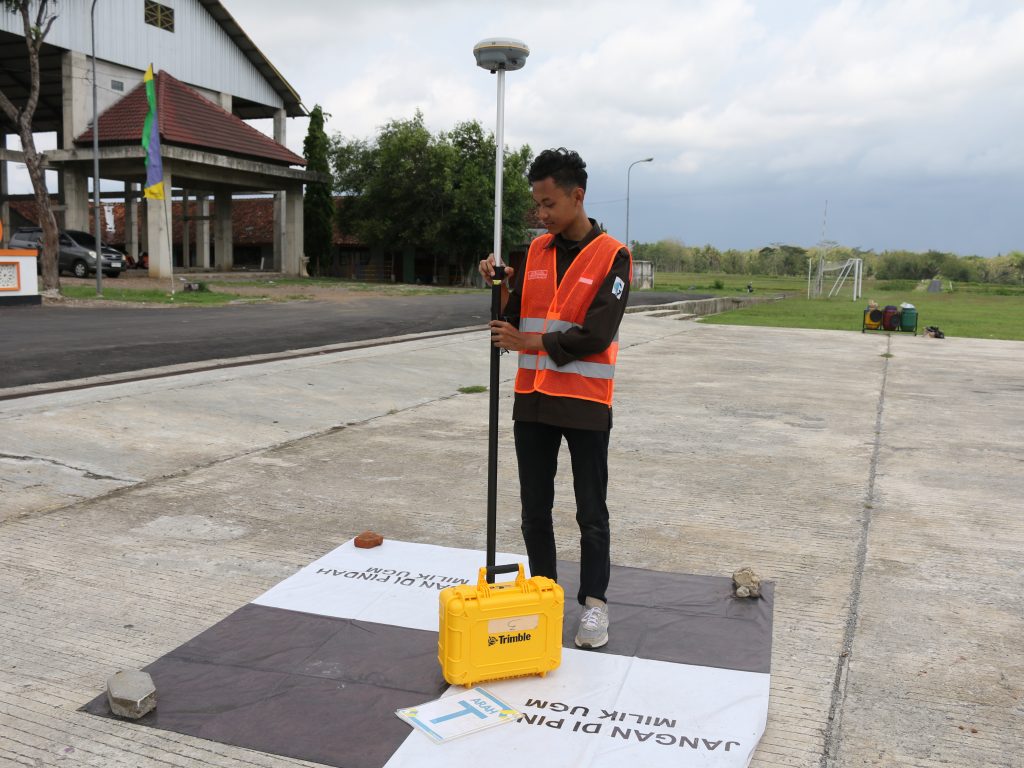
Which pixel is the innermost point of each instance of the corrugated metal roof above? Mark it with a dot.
(187, 119)
(292, 101)
(124, 20)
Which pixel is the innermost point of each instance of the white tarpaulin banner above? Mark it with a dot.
(611, 711)
(317, 667)
(388, 584)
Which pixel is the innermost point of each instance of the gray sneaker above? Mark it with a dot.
(593, 629)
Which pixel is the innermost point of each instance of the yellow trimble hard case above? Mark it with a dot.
(495, 631)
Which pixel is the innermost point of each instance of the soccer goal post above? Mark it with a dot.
(832, 276)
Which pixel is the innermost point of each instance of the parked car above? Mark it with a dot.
(113, 260)
(77, 251)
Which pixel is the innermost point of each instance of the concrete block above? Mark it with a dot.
(131, 693)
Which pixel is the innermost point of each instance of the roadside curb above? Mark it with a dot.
(215, 364)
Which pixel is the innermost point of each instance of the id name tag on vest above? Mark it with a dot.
(537, 274)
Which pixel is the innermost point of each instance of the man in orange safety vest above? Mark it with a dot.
(563, 309)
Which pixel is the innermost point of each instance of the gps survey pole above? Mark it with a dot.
(498, 56)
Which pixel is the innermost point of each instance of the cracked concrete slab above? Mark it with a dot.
(880, 494)
(33, 483)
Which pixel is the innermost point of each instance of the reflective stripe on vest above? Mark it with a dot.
(581, 367)
(536, 325)
(542, 325)
(549, 306)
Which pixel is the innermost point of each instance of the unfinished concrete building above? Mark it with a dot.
(210, 79)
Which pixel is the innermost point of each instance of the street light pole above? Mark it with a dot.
(630, 170)
(96, 162)
(497, 56)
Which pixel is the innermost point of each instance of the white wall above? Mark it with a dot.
(198, 52)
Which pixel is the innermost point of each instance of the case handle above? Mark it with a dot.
(487, 573)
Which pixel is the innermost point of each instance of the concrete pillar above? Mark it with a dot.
(76, 115)
(280, 126)
(294, 261)
(5, 206)
(186, 231)
(159, 228)
(131, 220)
(203, 232)
(76, 87)
(225, 101)
(223, 238)
(281, 229)
(280, 232)
(144, 229)
(75, 199)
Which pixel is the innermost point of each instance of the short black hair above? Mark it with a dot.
(564, 166)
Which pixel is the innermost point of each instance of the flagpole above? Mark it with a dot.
(96, 161)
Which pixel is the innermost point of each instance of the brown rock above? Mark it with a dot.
(746, 583)
(368, 540)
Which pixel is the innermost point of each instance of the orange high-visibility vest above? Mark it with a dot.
(547, 306)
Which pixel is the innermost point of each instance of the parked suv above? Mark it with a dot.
(77, 251)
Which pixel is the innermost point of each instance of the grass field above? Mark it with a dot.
(972, 310)
(343, 284)
(726, 285)
(151, 296)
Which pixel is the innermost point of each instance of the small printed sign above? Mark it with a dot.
(453, 716)
(10, 276)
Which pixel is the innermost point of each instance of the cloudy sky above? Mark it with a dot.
(905, 116)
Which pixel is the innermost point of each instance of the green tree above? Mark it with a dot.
(317, 204)
(398, 187)
(734, 262)
(665, 255)
(469, 225)
(1017, 262)
(21, 117)
(435, 194)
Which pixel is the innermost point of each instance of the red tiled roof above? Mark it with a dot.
(252, 221)
(187, 119)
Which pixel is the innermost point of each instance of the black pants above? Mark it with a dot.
(537, 451)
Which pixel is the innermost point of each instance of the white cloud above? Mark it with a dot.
(749, 93)
(862, 94)
(737, 87)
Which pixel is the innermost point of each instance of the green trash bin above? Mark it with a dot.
(908, 318)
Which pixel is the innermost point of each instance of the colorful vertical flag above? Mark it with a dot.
(151, 142)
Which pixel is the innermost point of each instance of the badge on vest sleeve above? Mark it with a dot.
(617, 287)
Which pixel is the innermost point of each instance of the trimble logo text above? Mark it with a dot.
(519, 637)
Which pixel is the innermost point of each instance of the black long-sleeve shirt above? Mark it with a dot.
(600, 326)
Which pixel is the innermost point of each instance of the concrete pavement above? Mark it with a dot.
(877, 480)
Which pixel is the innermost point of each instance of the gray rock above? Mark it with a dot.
(131, 694)
(746, 583)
